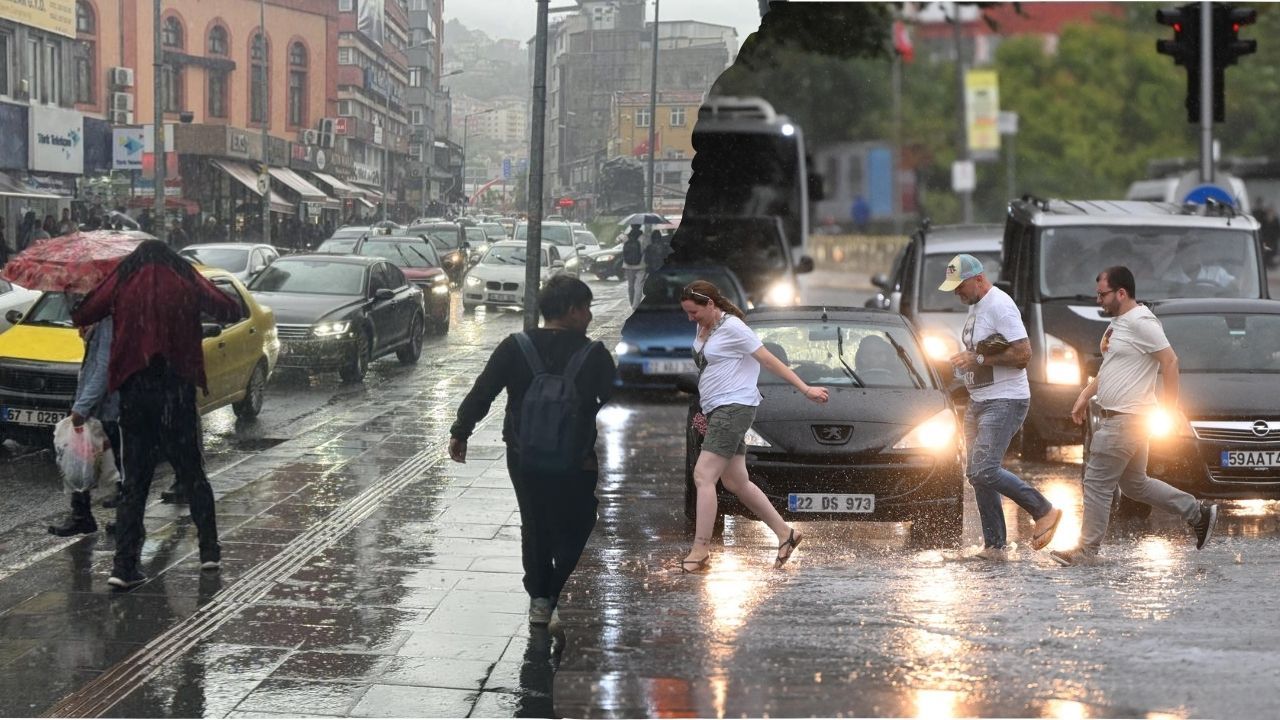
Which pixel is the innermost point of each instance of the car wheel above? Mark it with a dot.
(358, 364)
(409, 354)
(251, 405)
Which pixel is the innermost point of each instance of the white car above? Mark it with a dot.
(14, 298)
(244, 260)
(498, 279)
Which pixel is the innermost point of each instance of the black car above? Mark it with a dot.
(887, 446)
(1228, 444)
(604, 263)
(416, 257)
(342, 312)
(451, 244)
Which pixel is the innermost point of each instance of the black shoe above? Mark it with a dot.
(126, 579)
(211, 559)
(1205, 525)
(74, 525)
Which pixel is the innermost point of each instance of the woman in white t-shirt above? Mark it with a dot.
(729, 357)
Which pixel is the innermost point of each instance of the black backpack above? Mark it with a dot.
(552, 437)
(655, 256)
(632, 254)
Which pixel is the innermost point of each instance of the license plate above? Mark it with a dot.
(502, 297)
(1250, 458)
(831, 502)
(669, 367)
(29, 416)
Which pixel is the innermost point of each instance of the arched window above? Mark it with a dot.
(297, 85)
(218, 78)
(171, 38)
(259, 55)
(85, 53)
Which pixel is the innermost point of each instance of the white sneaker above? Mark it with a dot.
(540, 611)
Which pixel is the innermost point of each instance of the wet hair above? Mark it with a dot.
(155, 252)
(1120, 277)
(561, 294)
(701, 292)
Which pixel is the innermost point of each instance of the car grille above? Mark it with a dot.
(293, 332)
(36, 381)
(1237, 431)
(494, 285)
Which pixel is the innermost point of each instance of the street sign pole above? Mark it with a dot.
(157, 134)
(533, 243)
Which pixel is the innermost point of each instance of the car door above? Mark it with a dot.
(383, 313)
(408, 297)
(240, 343)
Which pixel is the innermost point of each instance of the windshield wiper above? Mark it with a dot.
(906, 360)
(840, 354)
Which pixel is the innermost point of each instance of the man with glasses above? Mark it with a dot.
(999, 398)
(1134, 349)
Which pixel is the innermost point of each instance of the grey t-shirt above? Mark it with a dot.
(1127, 380)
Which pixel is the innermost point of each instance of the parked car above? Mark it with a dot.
(14, 302)
(342, 312)
(416, 257)
(1227, 446)
(40, 359)
(887, 445)
(754, 248)
(498, 279)
(451, 244)
(244, 260)
(657, 340)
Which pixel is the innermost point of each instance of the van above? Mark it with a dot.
(1174, 188)
(1052, 253)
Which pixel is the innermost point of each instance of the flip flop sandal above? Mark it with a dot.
(1041, 541)
(699, 567)
(793, 541)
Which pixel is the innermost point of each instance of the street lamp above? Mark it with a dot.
(466, 122)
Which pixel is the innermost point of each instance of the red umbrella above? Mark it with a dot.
(72, 263)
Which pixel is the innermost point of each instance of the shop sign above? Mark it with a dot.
(367, 174)
(58, 16)
(56, 140)
(308, 157)
(237, 143)
(127, 145)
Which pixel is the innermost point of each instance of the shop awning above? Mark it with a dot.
(13, 187)
(244, 175)
(369, 192)
(366, 202)
(339, 188)
(298, 184)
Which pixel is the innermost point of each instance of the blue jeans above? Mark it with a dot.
(989, 425)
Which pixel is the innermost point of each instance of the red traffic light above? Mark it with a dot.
(565, 202)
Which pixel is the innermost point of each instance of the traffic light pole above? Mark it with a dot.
(1206, 92)
(537, 130)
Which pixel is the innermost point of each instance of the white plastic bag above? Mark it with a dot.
(80, 452)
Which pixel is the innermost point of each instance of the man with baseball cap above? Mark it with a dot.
(993, 367)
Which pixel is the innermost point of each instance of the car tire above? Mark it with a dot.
(358, 364)
(251, 405)
(409, 353)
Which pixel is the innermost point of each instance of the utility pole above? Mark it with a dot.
(533, 242)
(653, 107)
(265, 180)
(157, 135)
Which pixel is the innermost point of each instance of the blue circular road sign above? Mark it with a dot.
(1201, 194)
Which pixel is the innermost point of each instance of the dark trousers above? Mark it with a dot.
(158, 414)
(557, 515)
(112, 430)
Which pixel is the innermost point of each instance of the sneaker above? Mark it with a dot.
(126, 579)
(540, 611)
(211, 559)
(1205, 525)
(553, 625)
(1074, 556)
(993, 553)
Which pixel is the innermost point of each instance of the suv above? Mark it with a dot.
(1053, 251)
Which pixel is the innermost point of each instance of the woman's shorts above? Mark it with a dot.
(727, 425)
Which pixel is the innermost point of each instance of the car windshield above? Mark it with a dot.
(493, 230)
(1167, 262)
(444, 236)
(402, 253)
(845, 355)
(319, 277)
(508, 255)
(475, 234)
(662, 289)
(585, 238)
(336, 245)
(53, 308)
(935, 266)
(552, 232)
(352, 233)
(1225, 343)
(230, 259)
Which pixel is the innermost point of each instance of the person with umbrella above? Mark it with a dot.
(157, 362)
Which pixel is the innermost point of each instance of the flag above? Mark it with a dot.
(902, 41)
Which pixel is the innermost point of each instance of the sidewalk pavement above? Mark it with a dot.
(364, 574)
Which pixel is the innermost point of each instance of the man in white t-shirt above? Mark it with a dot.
(1134, 350)
(999, 398)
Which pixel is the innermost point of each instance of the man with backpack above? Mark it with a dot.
(556, 380)
(633, 263)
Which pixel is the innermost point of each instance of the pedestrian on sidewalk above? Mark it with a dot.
(557, 508)
(1134, 349)
(155, 299)
(993, 366)
(633, 263)
(729, 357)
(93, 401)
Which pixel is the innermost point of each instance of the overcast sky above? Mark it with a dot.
(516, 18)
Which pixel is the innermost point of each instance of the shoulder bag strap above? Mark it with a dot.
(578, 360)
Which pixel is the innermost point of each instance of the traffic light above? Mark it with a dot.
(1184, 48)
(1227, 45)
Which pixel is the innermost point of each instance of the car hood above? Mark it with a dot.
(659, 329)
(1229, 396)
(42, 342)
(306, 308)
(880, 417)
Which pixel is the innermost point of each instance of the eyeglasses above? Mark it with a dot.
(1103, 294)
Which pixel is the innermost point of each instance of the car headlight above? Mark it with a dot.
(440, 288)
(332, 329)
(754, 439)
(939, 346)
(1165, 423)
(781, 293)
(936, 433)
(473, 281)
(624, 348)
(1061, 362)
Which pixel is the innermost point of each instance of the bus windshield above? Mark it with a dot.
(749, 174)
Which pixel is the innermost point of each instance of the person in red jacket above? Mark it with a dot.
(154, 299)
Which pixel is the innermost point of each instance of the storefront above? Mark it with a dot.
(41, 156)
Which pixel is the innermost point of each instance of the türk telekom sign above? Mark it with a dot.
(56, 140)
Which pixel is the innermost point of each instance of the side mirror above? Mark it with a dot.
(13, 317)
(805, 265)
(687, 383)
(1093, 366)
(876, 303)
(210, 330)
(880, 280)
(557, 264)
(384, 294)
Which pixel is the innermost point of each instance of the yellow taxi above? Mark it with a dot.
(40, 359)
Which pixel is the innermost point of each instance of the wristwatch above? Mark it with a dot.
(979, 358)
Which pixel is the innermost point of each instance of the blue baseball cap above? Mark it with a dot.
(961, 268)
